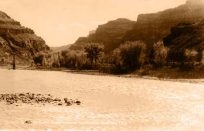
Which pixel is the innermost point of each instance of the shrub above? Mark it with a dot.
(186, 58)
(112, 63)
(93, 52)
(128, 57)
(132, 54)
(38, 59)
(74, 60)
(160, 53)
(191, 56)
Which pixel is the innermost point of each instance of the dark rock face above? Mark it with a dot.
(18, 39)
(153, 27)
(109, 34)
(186, 36)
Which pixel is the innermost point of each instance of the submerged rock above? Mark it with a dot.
(59, 104)
(78, 102)
(68, 103)
(28, 122)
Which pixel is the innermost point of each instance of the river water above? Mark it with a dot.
(108, 102)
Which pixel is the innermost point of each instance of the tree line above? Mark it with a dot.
(130, 56)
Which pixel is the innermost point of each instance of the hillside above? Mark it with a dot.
(59, 49)
(80, 43)
(109, 34)
(15, 38)
(154, 27)
(186, 36)
(149, 28)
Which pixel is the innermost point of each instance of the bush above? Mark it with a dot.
(112, 63)
(186, 58)
(74, 60)
(160, 53)
(38, 59)
(190, 58)
(128, 57)
(93, 52)
(132, 54)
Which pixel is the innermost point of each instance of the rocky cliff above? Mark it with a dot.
(186, 36)
(154, 27)
(109, 34)
(149, 28)
(19, 40)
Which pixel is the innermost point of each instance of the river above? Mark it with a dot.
(108, 102)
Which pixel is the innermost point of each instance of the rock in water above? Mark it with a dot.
(29, 98)
(68, 103)
(78, 102)
(28, 122)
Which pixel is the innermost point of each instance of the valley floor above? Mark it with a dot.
(108, 102)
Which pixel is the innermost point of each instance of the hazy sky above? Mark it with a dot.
(61, 22)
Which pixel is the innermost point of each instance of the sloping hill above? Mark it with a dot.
(149, 28)
(154, 27)
(59, 49)
(18, 39)
(109, 34)
(80, 43)
(186, 36)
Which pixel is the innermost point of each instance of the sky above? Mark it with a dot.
(61, 22)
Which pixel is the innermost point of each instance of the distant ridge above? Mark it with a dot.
(155, 26)
(149, 28)
(195, 2)
(60, 48)
(109, 34)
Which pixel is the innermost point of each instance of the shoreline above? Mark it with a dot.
(106, 101)
(96, 72)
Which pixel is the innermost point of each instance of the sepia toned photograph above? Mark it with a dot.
(102, 65)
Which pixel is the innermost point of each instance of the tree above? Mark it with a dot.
(160, 53)
(93, 52)
(38, 59)
(132, 54)
(191, 56)
(14, 61)
(74, 59)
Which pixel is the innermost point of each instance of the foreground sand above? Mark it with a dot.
(108, 102)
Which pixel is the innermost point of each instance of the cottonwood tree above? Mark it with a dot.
(132, 54)
(93, 52)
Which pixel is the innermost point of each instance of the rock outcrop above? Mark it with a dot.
(109, 34)
(153, 27)
(186, 36)
(149, 28)
(18, 39)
